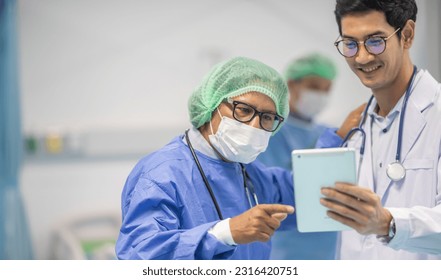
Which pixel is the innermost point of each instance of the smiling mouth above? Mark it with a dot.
(368, 69)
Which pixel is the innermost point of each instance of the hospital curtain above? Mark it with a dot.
(14, 233)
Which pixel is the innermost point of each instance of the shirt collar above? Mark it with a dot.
(396, 109)
(200, 144)
(390, 117)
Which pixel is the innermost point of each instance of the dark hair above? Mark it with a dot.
(397, 12)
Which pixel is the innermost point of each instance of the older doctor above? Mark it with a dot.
(396, 213)
(202, 196)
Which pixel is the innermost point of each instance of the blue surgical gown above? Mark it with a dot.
(292, 244)
(167, 209)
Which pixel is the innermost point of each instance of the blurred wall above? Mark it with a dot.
(111, 79)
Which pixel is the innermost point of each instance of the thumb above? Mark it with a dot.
(277, 208)
(279, 216)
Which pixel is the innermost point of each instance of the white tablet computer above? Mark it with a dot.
(312, 170)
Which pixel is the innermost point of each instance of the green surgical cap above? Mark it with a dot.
(311, 65)
(232, 78)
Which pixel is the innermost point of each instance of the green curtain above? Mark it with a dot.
(14, 232)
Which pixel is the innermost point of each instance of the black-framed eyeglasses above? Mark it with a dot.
(374, 45)
(244, 112)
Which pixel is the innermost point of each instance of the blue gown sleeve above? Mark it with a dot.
(329, 139)
(274, 185)
(152, 228)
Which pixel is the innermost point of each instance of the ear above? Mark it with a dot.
(408, 33)
(293, 95)
(293, 89)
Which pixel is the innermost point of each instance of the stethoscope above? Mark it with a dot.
(395, 170)
(249, 187)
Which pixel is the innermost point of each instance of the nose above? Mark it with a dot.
(363, 56)
(255, 122)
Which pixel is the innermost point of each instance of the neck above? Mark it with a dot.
(206, 131)
(388, 97)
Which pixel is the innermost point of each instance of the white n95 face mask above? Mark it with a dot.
(311, 103)
(239, 142)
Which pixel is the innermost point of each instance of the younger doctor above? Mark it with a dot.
(202, 196)
(396, 213)
(309, 79)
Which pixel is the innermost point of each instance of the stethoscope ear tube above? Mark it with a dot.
(363, 138)
(359, 129)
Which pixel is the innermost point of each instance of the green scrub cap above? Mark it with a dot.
(311, 65)
(232, 78)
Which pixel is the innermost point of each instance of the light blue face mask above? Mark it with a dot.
(238, 142)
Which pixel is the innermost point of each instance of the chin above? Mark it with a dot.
(370, 80)
(371, 84)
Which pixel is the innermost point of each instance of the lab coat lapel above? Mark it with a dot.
(411, 130)
(414, 121)
(413, 125)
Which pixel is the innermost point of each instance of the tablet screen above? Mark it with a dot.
(312, 170)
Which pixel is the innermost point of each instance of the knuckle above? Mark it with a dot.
(370, 212)
(264, 238)
(377, 200)
(276, 224)
(255, 232)
(345, 211)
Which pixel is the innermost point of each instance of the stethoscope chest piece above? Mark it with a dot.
(395, 171)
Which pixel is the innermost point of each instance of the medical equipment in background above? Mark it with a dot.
(88, 236)
(395, 170)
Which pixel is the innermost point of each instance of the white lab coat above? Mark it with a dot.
(415, 201)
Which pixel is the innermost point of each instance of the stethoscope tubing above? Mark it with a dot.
(403, 112)
(207, 184)
(204, 178)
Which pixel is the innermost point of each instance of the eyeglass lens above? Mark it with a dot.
(349, 48)
(245, 113)
(374, 45)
